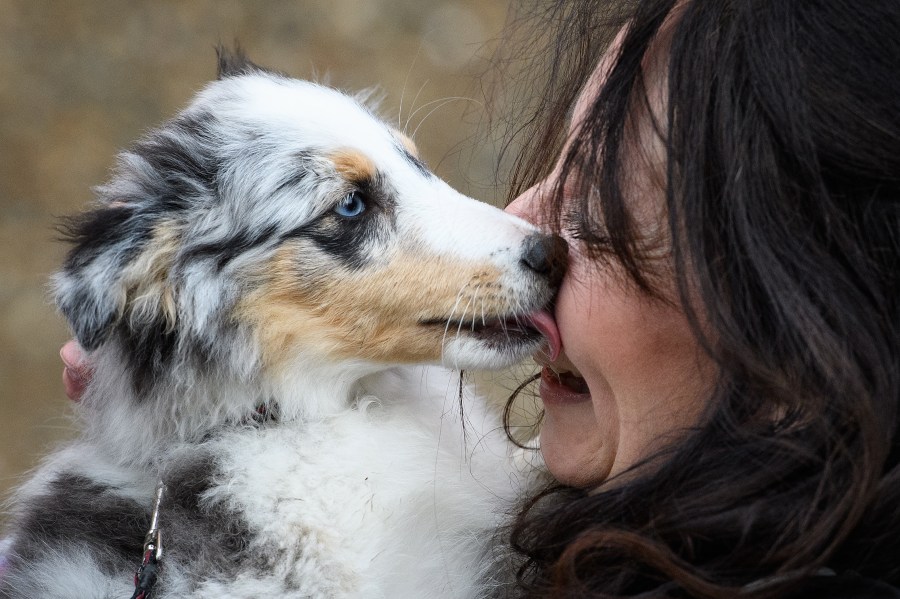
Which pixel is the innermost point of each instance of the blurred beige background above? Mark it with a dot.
(79, 80)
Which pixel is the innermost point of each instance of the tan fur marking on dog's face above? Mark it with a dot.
(408, 143)
(353, 165)
(373, 315)
(146, 279)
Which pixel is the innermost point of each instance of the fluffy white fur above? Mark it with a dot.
(277, 247)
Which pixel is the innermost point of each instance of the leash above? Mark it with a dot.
(148, 572)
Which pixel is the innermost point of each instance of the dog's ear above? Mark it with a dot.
(116, 274)
(233, 63)
(89, 290)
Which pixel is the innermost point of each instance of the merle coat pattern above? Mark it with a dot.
(259, 286)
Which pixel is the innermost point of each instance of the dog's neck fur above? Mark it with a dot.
(187, 404)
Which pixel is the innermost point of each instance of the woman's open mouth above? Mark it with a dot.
(561, 382)
(569, 380)
(562, 387)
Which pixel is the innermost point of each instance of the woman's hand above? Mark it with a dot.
(77, 372)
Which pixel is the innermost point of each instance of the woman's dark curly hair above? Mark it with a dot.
(782, 185)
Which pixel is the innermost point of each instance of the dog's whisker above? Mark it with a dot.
(415, 99)
(405, 82)
(459, 295)
(462, 319)
(503, 323)
(424, 106)
(482, 312)
(443, 102)
(461, 322)
(474, 298)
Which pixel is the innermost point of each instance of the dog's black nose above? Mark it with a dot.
(546, 255)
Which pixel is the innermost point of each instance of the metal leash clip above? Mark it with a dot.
(153, 539)
(146, 575)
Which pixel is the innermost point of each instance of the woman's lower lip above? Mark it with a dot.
(553, 391)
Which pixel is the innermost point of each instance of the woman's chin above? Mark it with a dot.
(572, 444)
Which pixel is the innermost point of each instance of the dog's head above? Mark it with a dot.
(276, 225)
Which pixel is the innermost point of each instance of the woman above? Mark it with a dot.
(723, 418)
(726, 420)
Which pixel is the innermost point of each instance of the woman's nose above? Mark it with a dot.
(525, 206)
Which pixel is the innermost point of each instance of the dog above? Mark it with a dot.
(275, 292)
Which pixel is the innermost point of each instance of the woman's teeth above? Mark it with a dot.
(564, 372)
(559, 370)
(572, 380)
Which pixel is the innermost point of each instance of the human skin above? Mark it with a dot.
(76, 370)
(631, 375)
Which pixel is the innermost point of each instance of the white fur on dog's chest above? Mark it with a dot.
(410, 516)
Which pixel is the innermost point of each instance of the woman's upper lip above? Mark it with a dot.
(559, 365)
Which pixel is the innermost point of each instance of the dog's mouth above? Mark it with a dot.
(502, 330)
(486, 328)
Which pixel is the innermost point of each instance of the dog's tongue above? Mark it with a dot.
(543, 321)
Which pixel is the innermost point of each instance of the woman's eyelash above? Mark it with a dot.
(575, 232)
(575, 227)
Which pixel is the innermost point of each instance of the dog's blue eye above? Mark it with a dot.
(352, 205)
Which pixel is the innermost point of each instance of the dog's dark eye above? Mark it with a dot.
(352, 205)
